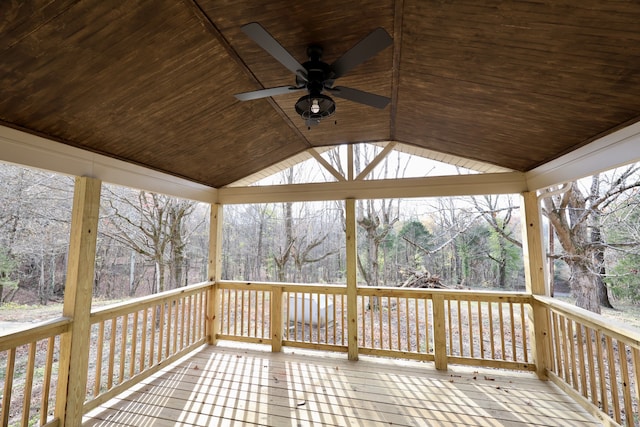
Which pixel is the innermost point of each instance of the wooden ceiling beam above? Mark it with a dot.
(395, 76)
(385, 151)
(326, 164)
(213, 29)
(439, 186)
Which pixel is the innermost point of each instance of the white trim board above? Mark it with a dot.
(33, 151)
(617, 149)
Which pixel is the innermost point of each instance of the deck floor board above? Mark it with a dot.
(230, 385)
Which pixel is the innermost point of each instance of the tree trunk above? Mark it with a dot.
(598, 260)
(584, 286)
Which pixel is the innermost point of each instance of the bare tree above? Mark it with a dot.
(576, 218)
(153, 225)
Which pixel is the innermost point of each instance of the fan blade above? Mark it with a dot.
(266, 41)
(366, 48)
(360, 96)
(265, 93)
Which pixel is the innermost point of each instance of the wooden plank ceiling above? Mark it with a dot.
(514, 84)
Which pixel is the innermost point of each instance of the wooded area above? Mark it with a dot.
(149, 242)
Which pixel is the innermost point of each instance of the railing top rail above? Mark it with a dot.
(286, 287)
(462, 294)
(130, 306)
(33, 333)
(611, 327)
(277, 284)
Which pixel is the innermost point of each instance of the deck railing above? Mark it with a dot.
(129, 342)
(595, 360)
(29, 366)
(478, 328)
(134, 339)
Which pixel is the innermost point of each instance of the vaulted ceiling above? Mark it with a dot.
(515, 84)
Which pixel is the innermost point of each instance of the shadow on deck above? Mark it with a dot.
(234, 385)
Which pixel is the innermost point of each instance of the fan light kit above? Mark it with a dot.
(316, 76)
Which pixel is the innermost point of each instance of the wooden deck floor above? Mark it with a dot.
(225, 385)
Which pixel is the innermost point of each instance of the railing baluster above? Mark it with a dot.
(449, 327)
(195, 310)
(556, 344)
(161, 331)
(566, 343)
(501, 331)
(295, 316)
(262, 322)
(572, 353)
(123, 347)
(28, 384)
(167, 346)
(398, 321)
(112, 352)
(604, 399)
(186, 327)
(523, 328)
(470, 321)
(99, 351)
(318, 318)
(134, 343)
(304, 317)
(226, 306)
(480, 327)
(626, 387)
(201, 316)
(335, 318)
(258, 316)
(8, 386)
(491, 330)
(287, 302)
(417, 319)
(326, 319)
(613, 383)
(143, 339)
(591, 363)
(636, 370)
(388, 329)
(46, 385)
(583, 372)
(343, 314)
(512, 320)
(242, 310)
(154, 320)
(363, 328)
(406, 315)
(460, 330)
(427, 324)
(235, 313)
(176, 319)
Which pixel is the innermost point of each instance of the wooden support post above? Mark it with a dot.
(352, 285)
(439, 332)
(213, 309)
(74, 344)
(276, 319)
(534, 271)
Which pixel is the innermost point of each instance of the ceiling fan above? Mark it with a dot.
(316, 76)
